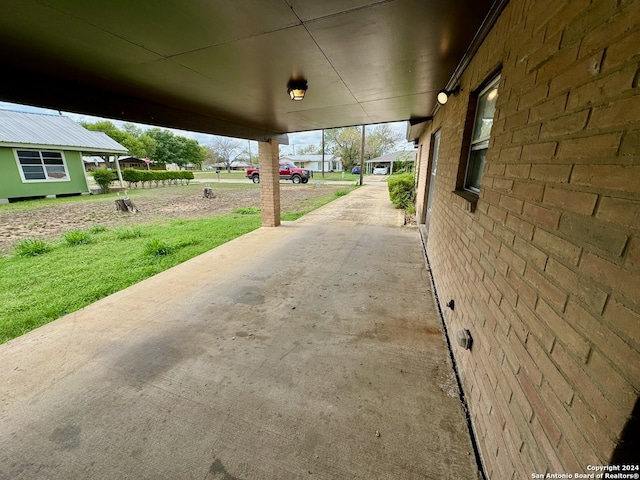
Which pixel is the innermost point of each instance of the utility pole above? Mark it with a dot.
(323, 153)
(362, 156)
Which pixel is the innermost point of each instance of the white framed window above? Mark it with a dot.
(42, 166)
(485, 110)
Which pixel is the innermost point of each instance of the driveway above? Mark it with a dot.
(313, 350)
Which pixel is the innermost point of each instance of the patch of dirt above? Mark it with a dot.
(163, 203)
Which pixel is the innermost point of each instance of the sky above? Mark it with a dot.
(296, 140)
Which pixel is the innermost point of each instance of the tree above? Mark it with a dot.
(134, 146)
(380, 141)
(191, 151)
(176, 149)
(345, 143)
(310, 150)
(210, 156)
(168, 148)
(227, 149)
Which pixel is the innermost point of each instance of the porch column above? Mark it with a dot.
(268, 159)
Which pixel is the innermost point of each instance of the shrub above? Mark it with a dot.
(157, 248)
(31, 247)
(103, 178)
(402, 190)
(77, 237)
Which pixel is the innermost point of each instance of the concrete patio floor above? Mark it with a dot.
(278, 355)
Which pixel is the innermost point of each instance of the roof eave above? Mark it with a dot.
(64, 147)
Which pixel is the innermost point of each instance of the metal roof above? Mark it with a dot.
(392, 157)
(20, 129)
(222, 67)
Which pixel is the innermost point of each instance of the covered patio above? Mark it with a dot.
(269, 359)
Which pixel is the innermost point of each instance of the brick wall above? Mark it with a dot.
(545, 271)
(268, 160)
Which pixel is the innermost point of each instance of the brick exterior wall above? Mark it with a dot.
(545, 269)
(268, 159)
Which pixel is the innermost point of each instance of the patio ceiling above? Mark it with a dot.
(222, 67)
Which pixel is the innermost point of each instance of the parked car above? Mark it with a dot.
(380, 170)
(288, 171)
(356, 170)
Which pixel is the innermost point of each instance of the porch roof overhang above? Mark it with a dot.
(223, 67)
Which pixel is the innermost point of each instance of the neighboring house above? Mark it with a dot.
(41, 155)
(389, 160)
(91, 163)
(235, 165)
(132, 162)
(314, 162)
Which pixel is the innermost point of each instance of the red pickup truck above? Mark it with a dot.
(288, 171)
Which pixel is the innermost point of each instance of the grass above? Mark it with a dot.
(31, 247)
(43, 281)
(35, 290)
(77, 237)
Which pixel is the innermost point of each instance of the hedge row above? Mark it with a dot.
(134, 177)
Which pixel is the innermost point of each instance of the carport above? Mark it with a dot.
(225, 68)
(268, 365)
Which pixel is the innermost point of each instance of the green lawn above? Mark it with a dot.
(82, 267)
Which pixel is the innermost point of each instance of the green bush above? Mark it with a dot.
(103, 178)
(402, 191)
(77, 237)
(31, 247)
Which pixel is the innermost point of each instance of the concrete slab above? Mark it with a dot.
(278, 355)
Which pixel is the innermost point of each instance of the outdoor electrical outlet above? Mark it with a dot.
(464, 339)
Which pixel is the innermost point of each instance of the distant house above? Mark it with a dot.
(235, 165)
(41, 155)
(314, 162)
(390, 160)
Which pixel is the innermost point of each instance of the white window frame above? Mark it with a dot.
(479, 143)
(47, 179)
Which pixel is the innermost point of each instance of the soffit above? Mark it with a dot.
(222, 67)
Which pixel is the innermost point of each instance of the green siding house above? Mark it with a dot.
(41, 155)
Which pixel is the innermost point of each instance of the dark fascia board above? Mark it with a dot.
(79, 98)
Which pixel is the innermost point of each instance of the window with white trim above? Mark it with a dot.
(42, 166)
(486, 108)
